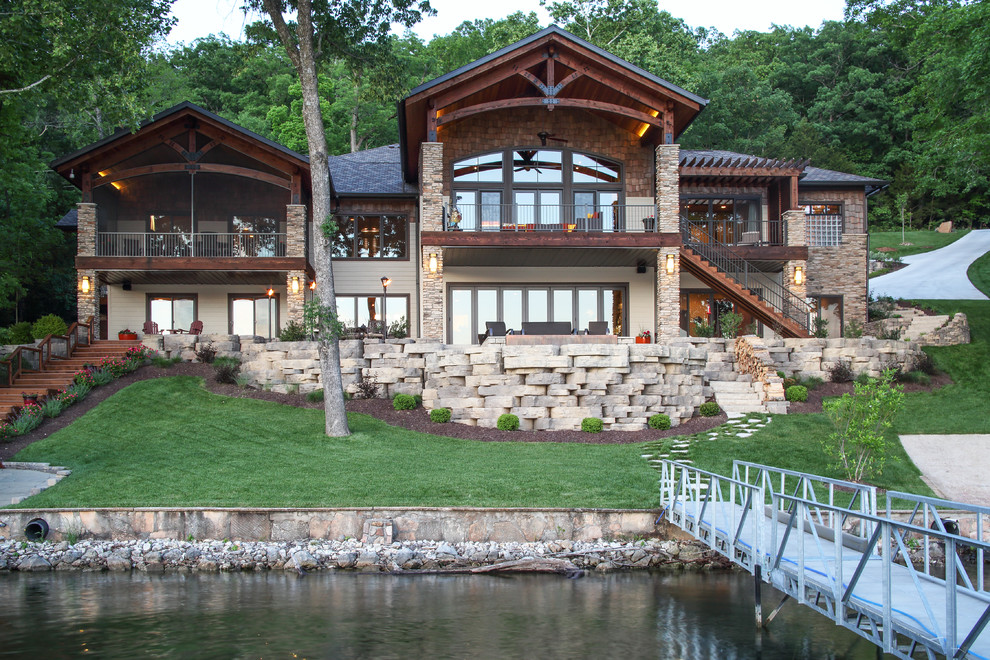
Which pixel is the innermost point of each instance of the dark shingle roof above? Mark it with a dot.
(69, 221)
(370, 172)
(813, 176)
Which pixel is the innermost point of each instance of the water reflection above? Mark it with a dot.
(683, 616)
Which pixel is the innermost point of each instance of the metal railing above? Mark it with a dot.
(845, 562)
(179, 244)
(762, 283)
(35, 358)
(738, 232)
(622, 218)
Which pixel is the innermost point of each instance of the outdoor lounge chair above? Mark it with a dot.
(597, 328)
(196, 328)
(150, 328)
(547, 328)
(494, 329)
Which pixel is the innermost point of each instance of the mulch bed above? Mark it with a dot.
(415, 420)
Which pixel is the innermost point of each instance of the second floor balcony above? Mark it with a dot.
(625, 218)
(190, 244)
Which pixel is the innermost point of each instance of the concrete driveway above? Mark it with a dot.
(955, 466)
(937, 275)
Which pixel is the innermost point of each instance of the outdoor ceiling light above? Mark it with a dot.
(295, 284)
(671, 264)
(270, 292)
(433, 262)
(312, 285)
(85, 284)
(799, 275)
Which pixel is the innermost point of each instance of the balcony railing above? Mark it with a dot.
(737, 232)
(178, 244)
(551, 217)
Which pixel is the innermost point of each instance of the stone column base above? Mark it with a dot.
(668, 313)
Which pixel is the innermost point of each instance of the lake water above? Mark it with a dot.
(679, 616)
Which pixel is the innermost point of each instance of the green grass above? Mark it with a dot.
(921, 241)
(169, 442)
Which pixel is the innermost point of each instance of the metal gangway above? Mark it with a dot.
(822, 543)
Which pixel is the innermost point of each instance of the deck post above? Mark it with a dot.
(757, 587)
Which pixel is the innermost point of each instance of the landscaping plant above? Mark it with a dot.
(861, 420)
(207, 353)
(49, 324)
(507, 422)
(53, 406)
(292, 332)
(854, 330)
(796, 393)
(840, 372)
(404, 402)
(709, 409)
(20, 333)
(316, 396)
(592, 425)
(225, 370)
(440, 415)
(659, 422)
(821, 328)
(730, 322)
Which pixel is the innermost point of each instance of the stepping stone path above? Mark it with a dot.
(739, 426)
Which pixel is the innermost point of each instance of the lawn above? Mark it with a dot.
(169, 442)
(921, 241)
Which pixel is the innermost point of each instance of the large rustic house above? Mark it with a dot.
(543, 182)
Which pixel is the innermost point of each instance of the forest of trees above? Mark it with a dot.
(900, 90)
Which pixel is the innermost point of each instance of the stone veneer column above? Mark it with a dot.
(797, 235)
(668, 296)
(668, 204)
(431, 294)
(88, 303)
(86, 230)
(431, 219)
(295, 230)
(294, 301)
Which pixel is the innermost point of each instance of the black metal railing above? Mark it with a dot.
(180, 244)
(734, 231)
(623, 218)
(761, 283)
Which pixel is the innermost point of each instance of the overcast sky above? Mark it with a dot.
(199, 18)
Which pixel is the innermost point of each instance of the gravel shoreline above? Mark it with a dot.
(161, 555)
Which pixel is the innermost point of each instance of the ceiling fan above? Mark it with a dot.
(527, 161)
(544, 136)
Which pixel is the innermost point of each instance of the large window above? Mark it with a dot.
(473, 305)
(730, 220)
(252, 314)
(824, 224)
(539, 189)
(371, 237)
(701, 312)
(368, 312)
(829, 309)
(172, 312)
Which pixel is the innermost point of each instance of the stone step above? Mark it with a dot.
(720, 386)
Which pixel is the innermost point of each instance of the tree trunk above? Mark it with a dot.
(355, 145)
(304, 60)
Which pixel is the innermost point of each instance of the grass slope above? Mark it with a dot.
(169, 442)
(921, 241)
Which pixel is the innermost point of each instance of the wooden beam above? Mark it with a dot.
(454, 91)
(145, 170)
(536, 82)
(584, 104)
(559, 239)
(192, 263)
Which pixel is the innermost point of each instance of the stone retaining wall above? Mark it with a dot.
(550, 386)
(453, 525)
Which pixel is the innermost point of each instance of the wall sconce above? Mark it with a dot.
(270, 293)
(433, 262)
(295, 284)
(312, 285)
(799, 275)
(84, 286)
(671, 264)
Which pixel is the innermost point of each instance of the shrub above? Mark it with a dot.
(28, 419)
(225, 370)
(789, 382)
(709, 409)
(592, 425)
(367, 389)
(115, 366)
(796, 393)
(207, 353)
(881, 308)
(854, 330)
(163, 362)
(821, 328)
(5, 336)
(404, 402)
(840, 372)
(53, 406)
(398, 329)
(916, 377)
(659, 422)
(863, 378)
(20, 333)
(861, 422)
(419, 400)
(101, 376)
(702, 328)
(730, 322)
(292, 332)
(811, 382)
(7, 431)
(69, 397)
(80, 388)
(440, 415)
(49, 324)
(925, 364)
(782, 374)
(316, 396)
(890, 333)
(507, 422)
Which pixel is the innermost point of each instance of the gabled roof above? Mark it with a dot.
(374, 172)
(176, 110)
(816, 176)
(549, 69)
(810, 176)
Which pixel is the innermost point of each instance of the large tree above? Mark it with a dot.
(353, 29)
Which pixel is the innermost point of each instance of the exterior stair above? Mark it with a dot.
(738, 396)
(58, 373)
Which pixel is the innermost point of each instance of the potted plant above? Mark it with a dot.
(29, 398)
(643, 337)
(649, 224)
(127, 335)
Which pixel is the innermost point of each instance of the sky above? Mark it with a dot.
(199, 18)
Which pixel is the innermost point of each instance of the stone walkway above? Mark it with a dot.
(21, 480)
(937, 275)
(678, 448)
(955, 466)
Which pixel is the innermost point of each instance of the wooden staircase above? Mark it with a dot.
(57, 372)
(694, 263)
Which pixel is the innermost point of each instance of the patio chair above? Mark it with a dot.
(749, 238)
(150, 328)
(597, 328)
(196, 328)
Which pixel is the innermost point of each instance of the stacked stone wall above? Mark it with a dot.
(807, 358)
(753, 358)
